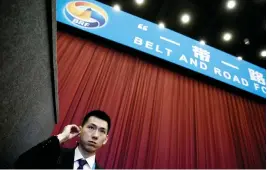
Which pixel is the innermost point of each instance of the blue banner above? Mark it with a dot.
(102, 20)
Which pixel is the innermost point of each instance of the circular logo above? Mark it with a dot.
(86, 14)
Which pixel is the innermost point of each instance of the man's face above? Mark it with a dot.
(93, 134)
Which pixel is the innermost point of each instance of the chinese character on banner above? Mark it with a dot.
(256, 76)
(202, 54)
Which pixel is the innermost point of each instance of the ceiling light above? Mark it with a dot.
(117, 7)
(139, 2)
(227, 36)
(239, 58)
(185, 18)
(263, 53)
(202, 42)
(246, 41)
(161, 25)
(231, 4)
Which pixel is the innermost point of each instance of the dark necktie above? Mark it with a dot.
(82, 162)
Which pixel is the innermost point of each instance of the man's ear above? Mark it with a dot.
(106, 140)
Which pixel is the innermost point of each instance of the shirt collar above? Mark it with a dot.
(90, 160)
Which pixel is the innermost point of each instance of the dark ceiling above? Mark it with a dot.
(209, 19)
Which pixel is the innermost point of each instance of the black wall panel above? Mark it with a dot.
(28, 102)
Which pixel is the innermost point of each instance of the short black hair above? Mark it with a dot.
(99, 114)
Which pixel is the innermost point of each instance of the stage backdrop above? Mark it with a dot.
(160, 118)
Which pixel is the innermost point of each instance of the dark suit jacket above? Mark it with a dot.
(47, 155)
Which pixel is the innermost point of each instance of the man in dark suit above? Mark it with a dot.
(49, 155)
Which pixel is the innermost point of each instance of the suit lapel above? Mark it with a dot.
(97, 166)
(67, 159)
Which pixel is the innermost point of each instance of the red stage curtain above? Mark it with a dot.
(160, 118)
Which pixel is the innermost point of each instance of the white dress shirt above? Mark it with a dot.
(90, 161)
